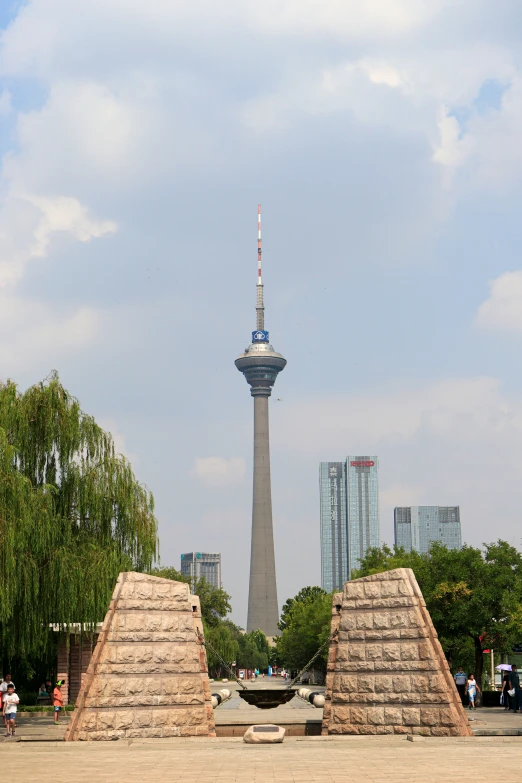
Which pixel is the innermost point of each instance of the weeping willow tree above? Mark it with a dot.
(72, 516)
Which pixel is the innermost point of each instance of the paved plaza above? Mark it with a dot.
(42, 757)
(323, 760)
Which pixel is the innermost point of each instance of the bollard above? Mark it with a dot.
(319, 700)
(214, 702)
(311, 696)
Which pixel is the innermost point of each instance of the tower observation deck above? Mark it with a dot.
(260, 365)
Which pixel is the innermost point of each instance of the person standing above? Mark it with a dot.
(506, 687)
(461, 679)
(10, 704)
(472, 687)
(514, 678)
(57, 700)
(3, 690)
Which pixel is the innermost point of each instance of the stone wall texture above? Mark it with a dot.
(148, 673)
(387, 673)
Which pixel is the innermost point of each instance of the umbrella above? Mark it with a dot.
(504, 667)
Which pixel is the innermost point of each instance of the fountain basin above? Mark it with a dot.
(267, 699)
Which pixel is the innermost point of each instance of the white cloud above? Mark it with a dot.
(218, 471)
(40, 335)
(29, 222)
(446, 408)
(502, 310)
(5, 103)
(346, 19)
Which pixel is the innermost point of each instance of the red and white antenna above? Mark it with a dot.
(260, 306)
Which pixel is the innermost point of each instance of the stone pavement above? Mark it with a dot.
(359, 759)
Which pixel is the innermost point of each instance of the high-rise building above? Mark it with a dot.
(334, 531)
(260, 365)
(349, 497)
(417, 527)
(202, 564)
(362, 503)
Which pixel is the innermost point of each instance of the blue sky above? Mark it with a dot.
(383, 141)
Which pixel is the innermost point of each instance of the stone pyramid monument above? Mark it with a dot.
(387, 673)
(148, 673)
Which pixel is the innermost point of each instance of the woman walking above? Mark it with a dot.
(506, 686)
(472, 688)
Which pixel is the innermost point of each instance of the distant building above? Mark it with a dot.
(362, 501)
(349, 516)
(334, 530)
(417, 527)
(202, 564)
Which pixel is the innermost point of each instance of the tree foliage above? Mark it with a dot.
(72, 516)
(306, 623)
(474, 596)
(304, 596)
(253, 651)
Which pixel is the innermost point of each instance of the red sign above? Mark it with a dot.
(363, 464)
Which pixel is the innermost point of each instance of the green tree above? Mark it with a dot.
(169, 572)
(253, 651)
(304, 596)
(474, 596)
(223, 639)
(307, 627)
(72, 516)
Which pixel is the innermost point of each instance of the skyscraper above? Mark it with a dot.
(260, 365)
(362, 502)
(349, 497)
(202, 564)
(334, 531)
(417, 527)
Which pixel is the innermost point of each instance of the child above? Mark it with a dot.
(57, 700)
(11, 701)
(472, 691)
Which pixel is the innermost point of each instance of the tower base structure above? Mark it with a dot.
(387, 673)
(148, 673)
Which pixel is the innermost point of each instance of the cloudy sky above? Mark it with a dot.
(383, 140)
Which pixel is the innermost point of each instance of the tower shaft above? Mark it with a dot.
(262, 596)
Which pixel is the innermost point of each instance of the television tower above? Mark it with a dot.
(260, 365)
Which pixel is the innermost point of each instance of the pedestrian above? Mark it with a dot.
(58, 700)
(10, 702)
(461, 681)
(472, 687)
(3, 689)
(506, 687)
(514, 679)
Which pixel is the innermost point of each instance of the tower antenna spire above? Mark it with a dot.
(260, 305)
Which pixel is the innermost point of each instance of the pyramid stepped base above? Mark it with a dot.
(148, 673)
(387, 673)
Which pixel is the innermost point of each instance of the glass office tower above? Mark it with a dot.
(202, 564)
(334, 532)
(362, 501)
(349, 497)
(417, 527)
